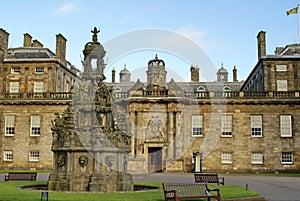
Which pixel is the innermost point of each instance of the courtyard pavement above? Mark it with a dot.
(273, 188)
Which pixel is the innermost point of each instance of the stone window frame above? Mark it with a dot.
(286, 158)
(281, 85)
(10, 120)
(14, 87)
(38, 87)
(8, 155)
(281, 68)
(197, 125)
(226, 122)
(35, 125)
(34, 156)
(286, 128)
(15, 70)
(227, 158)
(256, 121)
(39, 70)
(257, 158)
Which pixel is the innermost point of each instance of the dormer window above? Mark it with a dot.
(39, 70)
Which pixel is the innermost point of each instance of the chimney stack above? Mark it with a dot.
(3, 43)
(37, 43)
(113, 75)
(261, 43)
(27, 40)
(61, 48)
(194, 73)
(234, 74)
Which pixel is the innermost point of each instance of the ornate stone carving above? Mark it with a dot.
(154, 128)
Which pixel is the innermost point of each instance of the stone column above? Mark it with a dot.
(177, 129)
(133, 131)
(139, 130)
(170, 135)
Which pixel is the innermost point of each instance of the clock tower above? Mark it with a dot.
(156, 73)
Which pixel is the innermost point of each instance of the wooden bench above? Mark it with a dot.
(178, 191)
(21, 176)
(209, 178)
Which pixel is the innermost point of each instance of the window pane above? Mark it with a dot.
(39, 69)
(38, 87)
(14, 87)
(197, 125)
(8, 156)
(286, 125)
(226, 125)
(35, 125)
(257, 158)
(286, 157)
(282, 85)
(34, 156)
(256, 125)
(9, 125)
(281, 68)
(226, 157)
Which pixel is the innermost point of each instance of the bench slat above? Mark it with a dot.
(178, 191)
(209, 178)
(21, 176)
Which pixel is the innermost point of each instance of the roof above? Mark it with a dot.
(29, 54)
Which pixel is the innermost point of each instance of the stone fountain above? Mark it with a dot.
(90, 141)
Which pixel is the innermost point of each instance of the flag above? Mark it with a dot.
(292, 11)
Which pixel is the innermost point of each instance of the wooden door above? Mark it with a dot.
(155, 159)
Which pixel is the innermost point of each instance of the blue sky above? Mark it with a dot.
(225, 30)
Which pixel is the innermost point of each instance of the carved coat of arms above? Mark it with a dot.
(154, 128)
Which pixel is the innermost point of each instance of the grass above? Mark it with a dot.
(9, 191)
(38, 171)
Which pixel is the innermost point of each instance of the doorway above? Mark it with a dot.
(155, 159)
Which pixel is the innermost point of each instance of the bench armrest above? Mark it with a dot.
(221, 180)
(170, 194)
(214, 189)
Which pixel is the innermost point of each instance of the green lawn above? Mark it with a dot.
(9, 191)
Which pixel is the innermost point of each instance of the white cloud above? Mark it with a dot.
(66, 9)
(195, 35)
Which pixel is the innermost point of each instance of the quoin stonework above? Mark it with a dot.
(238, 126)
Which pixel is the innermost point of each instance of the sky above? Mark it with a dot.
(205, 33)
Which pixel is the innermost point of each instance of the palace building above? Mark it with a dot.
(236, 126)
(35, 83)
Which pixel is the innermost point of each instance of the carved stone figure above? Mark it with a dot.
(83, 161)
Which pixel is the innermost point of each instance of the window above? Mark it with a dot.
(282, 85)
(39, 70)
(34, 156)
(35, 125)
(9, 125)
(281, 68)
(285, 125)
(257, 158)
(38, 87)
(287, 158)
(227, 158)
(15, 70)
(197, 125)
(14, 87)
(8, 156)
(226, 125)
(256, 125)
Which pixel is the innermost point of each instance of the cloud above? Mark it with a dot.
(66, 9)
(195, 35)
